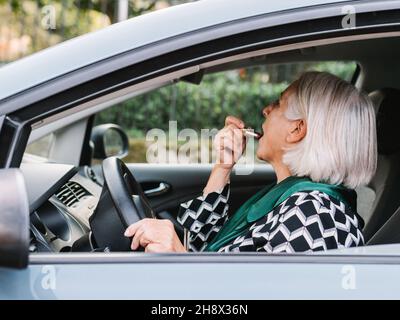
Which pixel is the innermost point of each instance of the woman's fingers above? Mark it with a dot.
(158, 233)
(131, 230)
(138, 233)
(231, 120)
(137, 238)
(230, 142)
(231, 132)
(154, 248)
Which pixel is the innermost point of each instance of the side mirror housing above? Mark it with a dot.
(109, 140)
(14, 220)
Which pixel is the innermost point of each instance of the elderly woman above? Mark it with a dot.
(320, 138)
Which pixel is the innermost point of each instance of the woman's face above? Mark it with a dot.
(276, 128)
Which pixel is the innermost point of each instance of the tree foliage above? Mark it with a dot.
(23, 18)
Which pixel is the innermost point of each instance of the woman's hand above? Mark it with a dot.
(230, 142)
(155, 236)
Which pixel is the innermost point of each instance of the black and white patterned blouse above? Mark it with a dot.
(306, 221)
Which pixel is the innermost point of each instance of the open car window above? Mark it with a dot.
(193, 112)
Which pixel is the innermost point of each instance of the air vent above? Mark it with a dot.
(71, 193)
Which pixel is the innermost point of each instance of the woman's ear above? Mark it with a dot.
(297, 132)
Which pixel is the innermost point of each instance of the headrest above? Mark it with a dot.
(387, 109)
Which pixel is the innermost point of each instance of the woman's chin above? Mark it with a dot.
(259, 155)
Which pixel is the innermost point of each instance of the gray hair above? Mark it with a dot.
(340, 145)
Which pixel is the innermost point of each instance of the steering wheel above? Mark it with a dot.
(122, 202)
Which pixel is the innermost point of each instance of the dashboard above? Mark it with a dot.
(61, 200)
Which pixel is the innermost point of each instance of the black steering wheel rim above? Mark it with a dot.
(126, 193)
(122, 203)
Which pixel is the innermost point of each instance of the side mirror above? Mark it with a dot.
(109, 140)
(14, 220)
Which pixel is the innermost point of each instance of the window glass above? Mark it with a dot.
(41, 147)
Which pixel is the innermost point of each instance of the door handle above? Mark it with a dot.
(161, 189)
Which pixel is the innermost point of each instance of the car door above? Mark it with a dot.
(199, 276)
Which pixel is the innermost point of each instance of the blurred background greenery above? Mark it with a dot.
(26, 27)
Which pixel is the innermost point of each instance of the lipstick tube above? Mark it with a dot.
(251, 133)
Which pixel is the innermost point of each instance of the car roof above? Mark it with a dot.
(130, 34)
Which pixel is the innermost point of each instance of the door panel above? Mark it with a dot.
(187, 181)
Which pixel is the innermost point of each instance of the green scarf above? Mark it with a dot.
(267, 199)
